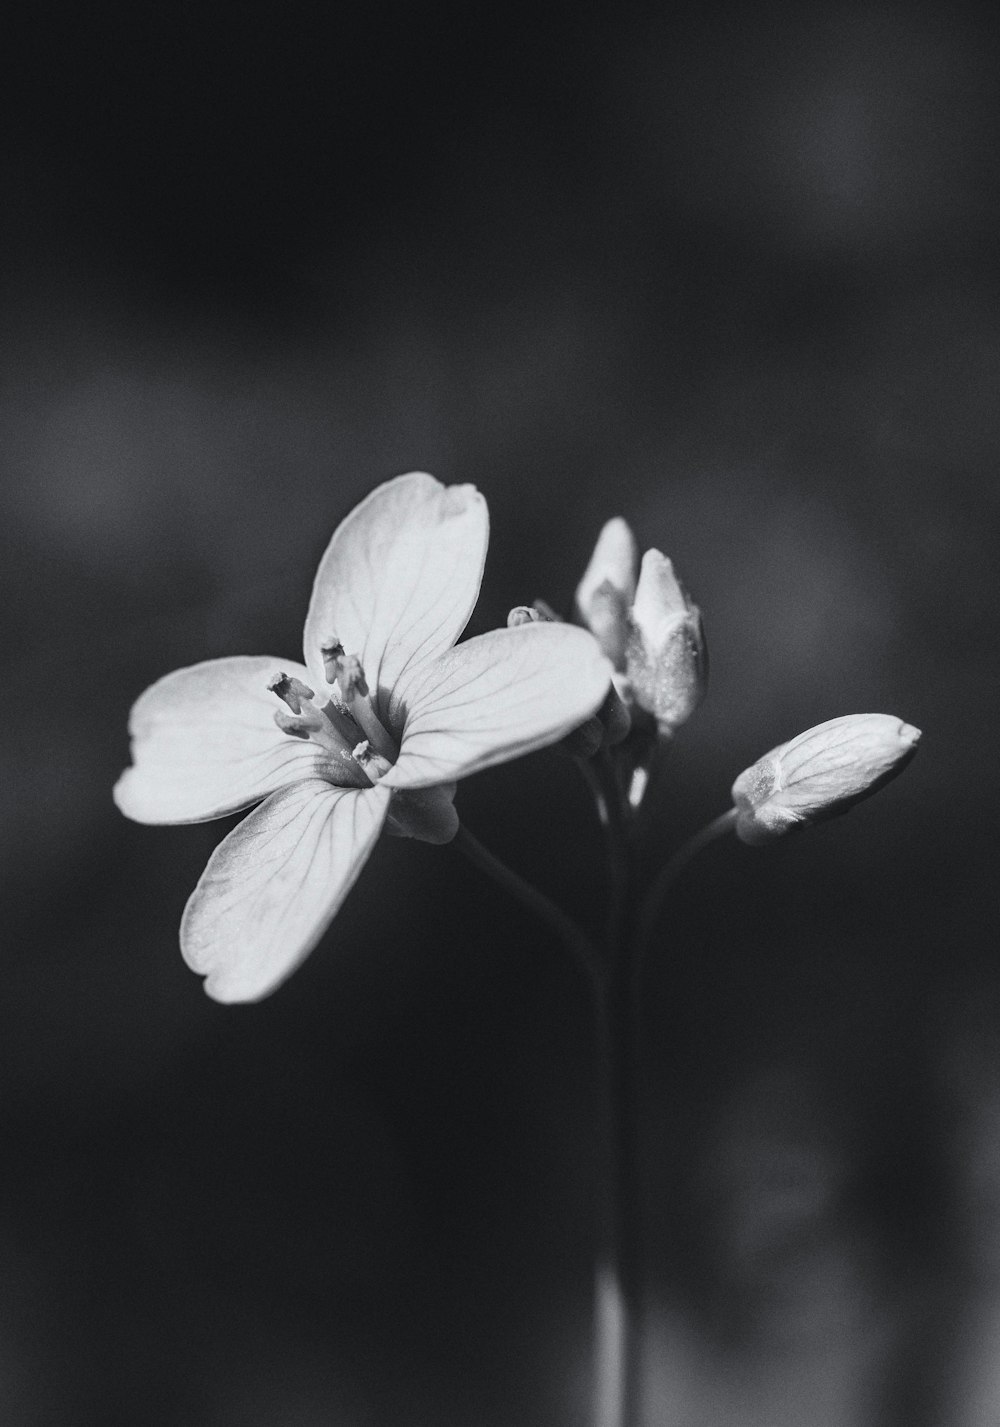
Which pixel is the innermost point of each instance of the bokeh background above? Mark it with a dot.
(731, 273)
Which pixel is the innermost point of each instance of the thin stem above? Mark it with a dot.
(594, 784)
(617, 1282)
(668, 874)
(619, 1279)
(614, 1307)
(569, 932)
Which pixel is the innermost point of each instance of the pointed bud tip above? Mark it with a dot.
(608, 584)
(659, 595)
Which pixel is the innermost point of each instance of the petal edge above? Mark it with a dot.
(272, 887)
(400, 577)
(495, 698)
(204, 743)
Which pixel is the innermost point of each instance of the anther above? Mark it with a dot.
(291, 691)
(332, 651)
(373, 763)
(351, 677)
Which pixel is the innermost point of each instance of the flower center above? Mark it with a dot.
(346, 727)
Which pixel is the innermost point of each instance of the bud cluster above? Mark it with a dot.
(651, 631)
(647, 625)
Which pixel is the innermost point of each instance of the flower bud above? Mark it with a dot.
(666, 660)
(524, 614)
(820, 774)
(607, 589)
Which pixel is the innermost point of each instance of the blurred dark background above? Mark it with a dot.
(731, 275)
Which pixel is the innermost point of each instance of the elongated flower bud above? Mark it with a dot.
(821, 773)
(666, 659)
(607, 589)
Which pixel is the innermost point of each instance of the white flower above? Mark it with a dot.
(347, 743)
(820, 773)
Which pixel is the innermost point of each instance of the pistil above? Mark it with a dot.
(354, 692)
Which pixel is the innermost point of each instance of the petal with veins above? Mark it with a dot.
(400, 578)
(273, 885)
(494, 698)
(204, 743)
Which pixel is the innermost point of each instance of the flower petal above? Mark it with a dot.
(400, 578)
(273, 885)
(204, 743)
(494, 698)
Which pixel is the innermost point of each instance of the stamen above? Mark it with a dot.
(353, 688)
(291, 691)
(332, 650)
(351, 677)
(373, 763)
(308, 722)
(294, 724)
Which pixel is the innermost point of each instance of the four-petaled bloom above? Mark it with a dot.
(370, 732)
(821, 773)
(647, 625)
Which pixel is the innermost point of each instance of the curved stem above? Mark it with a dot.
(569, 932)
(615, 1003)
(668, 874)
